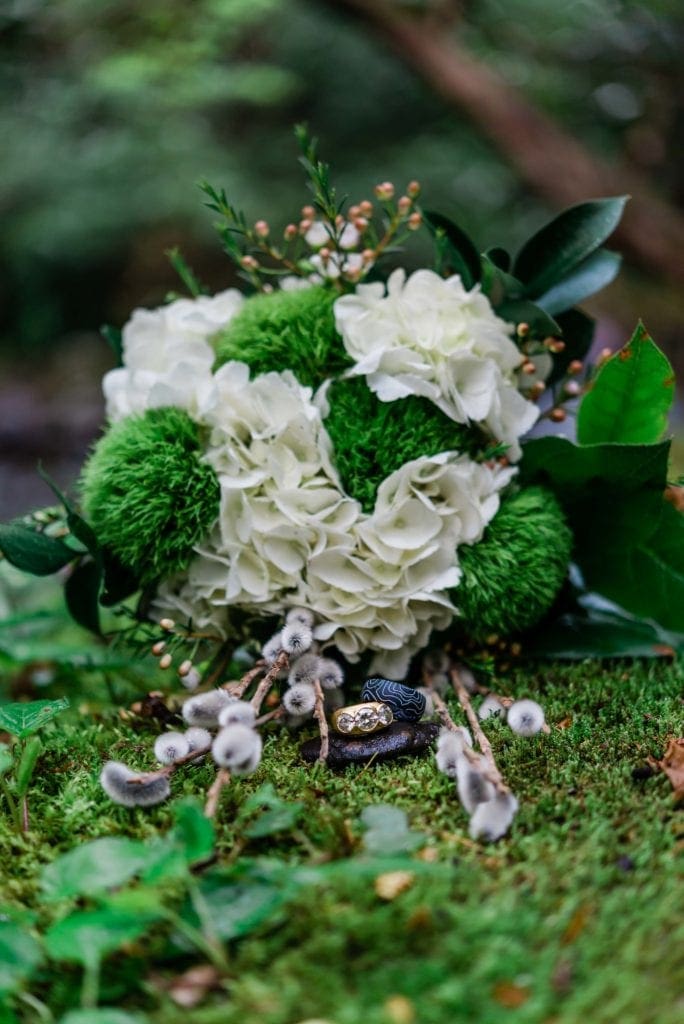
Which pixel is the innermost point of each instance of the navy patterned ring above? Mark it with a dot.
(407, 704)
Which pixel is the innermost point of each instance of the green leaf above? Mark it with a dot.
(81, 593)
(27, 764)
(388, 831)
(86, 937)
(119, 582)
(22, 719)
(235, 908)
(6, 759)
(460, 254)
(93, 867)
(631, 396)
(102, 1015)
(522, 311)
(629, 541)
(113, 337)
(20, 954)
(279, 816)
(565, 242)
(191, 840)
(601, 634)
(31, 551)
(577, 333)
(593, 274)
(499, 257)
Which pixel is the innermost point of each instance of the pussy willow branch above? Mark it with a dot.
(478, 734)
(214, 792)
(470, 755)
(282, 661)
(168, 769)
(319, 714)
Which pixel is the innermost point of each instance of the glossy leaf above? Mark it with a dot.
(629, 542)
(235, 908)
(101, 1015)
(630, 397)
(277, 815)
(20, 954)
(519, 311)
(93, 868)
(577, 333)
(31, 551)
(388, 832)
(86, 937)
(82, 592)
(22, 719)
(190, 840)
(565, 242)
(593, 274)
(461, 255)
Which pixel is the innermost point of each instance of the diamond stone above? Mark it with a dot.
(345, 723)
(366, 719)
(384, 715)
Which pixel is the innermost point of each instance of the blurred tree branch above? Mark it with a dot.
(550, 160)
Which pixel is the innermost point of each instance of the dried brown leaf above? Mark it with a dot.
(510, 995)
(393, 883)
(672, 764)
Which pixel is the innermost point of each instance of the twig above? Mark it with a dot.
(480, 738)
(214, 794)
(319, 714)
(238, 689)
(281, 662)
(469, 754)
(168, 769)
(270, 716)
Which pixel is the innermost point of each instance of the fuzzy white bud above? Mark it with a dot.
(492, 820)
(490, 707)
(192, 680)
(198, 738)
(300, 616)
(450, 743)
(305, 669)
(117, 781)
(526, 717)
(205, 707)
(296, 638)
(330, 674)
(170, 747)
(472, 786)
(300, 699)
(237, 748)
(272, 648)
(238, 712)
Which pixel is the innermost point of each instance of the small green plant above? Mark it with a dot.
(18, 759)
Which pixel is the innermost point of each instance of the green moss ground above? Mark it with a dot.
(577, 915)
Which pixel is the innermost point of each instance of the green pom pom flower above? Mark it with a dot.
(372, 439)
(512, 576)
(147, 494)
(286, 330)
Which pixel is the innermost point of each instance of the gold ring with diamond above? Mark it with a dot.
(362, 719)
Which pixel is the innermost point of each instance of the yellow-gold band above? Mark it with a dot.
(362, 719)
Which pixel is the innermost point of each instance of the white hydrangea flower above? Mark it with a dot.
(167, 356)
(432, 337)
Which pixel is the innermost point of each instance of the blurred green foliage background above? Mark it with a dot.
(112, 110)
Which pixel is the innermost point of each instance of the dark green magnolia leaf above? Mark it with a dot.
(460, 253)
(388, 832)
(629, 542)
(93, 867)
(565, 242)
(82, 592)
(86, 937)
(497, 285)
(119, 582)
(23, 719)
(20, 954)
(113, 337)
(499, 257)
(601, 634)
(577, 333)
(522, 311)
(593, 274)
(31, 551)
(630, 397)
